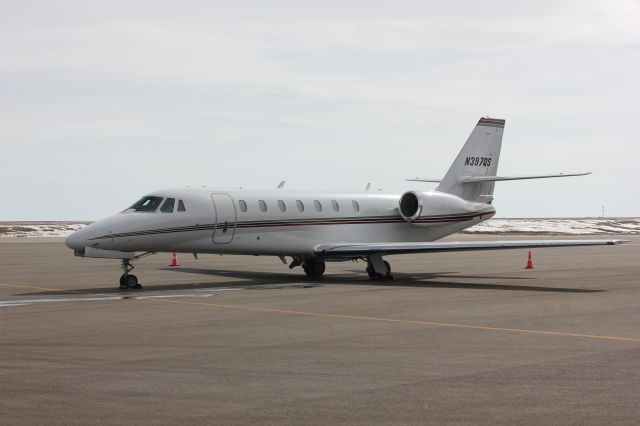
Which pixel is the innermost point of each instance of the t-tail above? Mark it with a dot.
(479, 157)
(473, 174)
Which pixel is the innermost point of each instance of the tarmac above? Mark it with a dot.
(455, 338)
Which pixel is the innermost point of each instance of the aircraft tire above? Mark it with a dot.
(123, 281)
(314, 268)
(132, 281)
(373, 275)
(371, 272)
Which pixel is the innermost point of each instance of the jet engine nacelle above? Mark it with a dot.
(415, 205)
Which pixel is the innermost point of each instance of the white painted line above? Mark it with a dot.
(220, 289)
(171, 296)
(71, 299)
(23, 302)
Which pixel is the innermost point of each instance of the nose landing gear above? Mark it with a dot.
(129, 281)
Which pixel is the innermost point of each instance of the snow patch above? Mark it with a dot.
(39, 229)
(592, 226)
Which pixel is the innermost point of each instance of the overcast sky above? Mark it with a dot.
(101, 102)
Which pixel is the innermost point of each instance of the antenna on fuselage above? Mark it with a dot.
(368, 186)
(281, 185)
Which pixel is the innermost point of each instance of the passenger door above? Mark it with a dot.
(226, 218)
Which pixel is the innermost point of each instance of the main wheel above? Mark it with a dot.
(371, 272)
(388, 276)
(376, 275)
(314, 268)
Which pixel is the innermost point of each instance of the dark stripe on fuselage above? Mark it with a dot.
(300, 222)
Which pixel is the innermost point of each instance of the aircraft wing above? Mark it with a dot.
(362, 249)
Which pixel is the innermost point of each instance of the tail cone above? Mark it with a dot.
(174, 260)
(529, 262)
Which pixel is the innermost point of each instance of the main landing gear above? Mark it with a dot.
(129, 281)
(313, 268)
(377, 268)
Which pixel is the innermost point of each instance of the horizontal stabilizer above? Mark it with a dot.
(472, 179)
(424, 180)
(338, 250)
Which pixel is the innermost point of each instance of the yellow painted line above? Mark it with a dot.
(361, 318)
(401, 321)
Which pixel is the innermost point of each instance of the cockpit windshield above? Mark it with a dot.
(148, 203)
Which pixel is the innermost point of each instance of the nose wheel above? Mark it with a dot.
(129, 281)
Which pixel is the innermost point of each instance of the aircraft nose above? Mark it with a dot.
(75, 241)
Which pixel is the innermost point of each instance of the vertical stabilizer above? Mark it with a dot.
(479, 157)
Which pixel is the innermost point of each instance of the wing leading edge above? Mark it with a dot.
(363, 249)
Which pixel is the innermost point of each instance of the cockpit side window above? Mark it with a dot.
(181, 206)
(168, 205)
(149, 203)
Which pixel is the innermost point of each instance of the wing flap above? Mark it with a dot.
(363, 249)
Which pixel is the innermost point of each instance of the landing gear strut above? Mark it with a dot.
(129, 281)
(378, 268)
(313, 268)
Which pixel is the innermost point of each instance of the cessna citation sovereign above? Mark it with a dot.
(315, 227)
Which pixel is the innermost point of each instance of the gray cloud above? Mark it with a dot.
(104, 101)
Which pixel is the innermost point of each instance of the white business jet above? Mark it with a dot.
(314, 227)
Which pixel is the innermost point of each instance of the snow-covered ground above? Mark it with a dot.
(589, 226)
(568, 226)
(39, 229)
(628, 226)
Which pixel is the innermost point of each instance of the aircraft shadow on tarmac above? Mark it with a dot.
(258, 280)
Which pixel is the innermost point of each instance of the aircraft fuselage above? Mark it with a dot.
(275, 222)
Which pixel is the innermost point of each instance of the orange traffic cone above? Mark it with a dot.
(529, 262)
(174, 260)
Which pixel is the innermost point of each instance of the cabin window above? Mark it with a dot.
(300, 206)
(243, 205)
(147, 204)
(334, 205)
(356, 206)
(168, 205)
(262, 205)
(181, 206)
(282, 206)
(318, 205)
